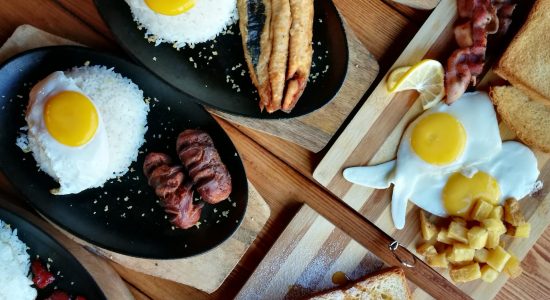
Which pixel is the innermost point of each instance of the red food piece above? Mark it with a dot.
(41, 277)
(59, 295)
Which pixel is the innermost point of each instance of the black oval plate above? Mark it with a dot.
(76, 280)
(207, 82)
(123, 216)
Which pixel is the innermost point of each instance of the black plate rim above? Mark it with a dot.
(266, 116)
(66, 253)
(84, 238)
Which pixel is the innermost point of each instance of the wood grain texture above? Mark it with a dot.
(374, 134)
(419, 4)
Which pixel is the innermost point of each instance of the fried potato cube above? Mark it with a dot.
(513, 267)
(481, 210)
(520, 231)
(493, 240)
(488, 274)
(497, 213)
(466, 273)
(459, 221)
(481, 255)
(437, 261)
(494, 225)
(460, 253)
(426, 249)
(477, 237)
(428, 229)
(497, 258)
(443, 237)
(512, 212)
(458, 232)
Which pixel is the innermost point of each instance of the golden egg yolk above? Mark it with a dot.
(460, 192)
(71, 118)
(170, 7)
(438, 139)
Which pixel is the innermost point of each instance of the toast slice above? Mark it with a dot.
(388, 284)
(526, 62)
(529, 119)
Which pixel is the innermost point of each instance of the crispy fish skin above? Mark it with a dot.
(301, 51)
(254, 23)
(280, 35)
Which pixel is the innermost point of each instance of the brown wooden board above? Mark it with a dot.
(205, 272)
(374, 133)
(315, 130)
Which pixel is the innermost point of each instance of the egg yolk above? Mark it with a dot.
(71, 118)
(170, 7)
(460, 192)
(438, 139)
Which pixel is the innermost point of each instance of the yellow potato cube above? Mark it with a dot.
(466, 273)
(497, 258)
(481, 255)
(426, 249)
(460, 253)
(488, 274)
(493, 240)
(428, 229)
(459, 221)
(481, 210)
(477, 237)
(443, 237)
(458, 232)
(513, 267)
(512, 212)
(521, 231)
(494, 225)
(437, 260)
(497, 213)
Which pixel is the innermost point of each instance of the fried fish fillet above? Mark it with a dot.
(254, 23)
(300, 51)
(280, 34)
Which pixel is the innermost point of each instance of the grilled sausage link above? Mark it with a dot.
(175, 191)
(207, 171)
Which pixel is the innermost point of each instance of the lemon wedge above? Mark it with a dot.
(427, 77)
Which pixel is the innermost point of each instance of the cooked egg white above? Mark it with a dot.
(450, 156)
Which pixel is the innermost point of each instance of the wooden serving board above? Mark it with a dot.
(374, 133)
(106, 278)
(205, 272)
(315, 130)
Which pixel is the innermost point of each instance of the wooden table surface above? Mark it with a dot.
(383, 26)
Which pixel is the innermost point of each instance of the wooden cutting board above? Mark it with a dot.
(106, 278)
(315, 130)
(419, 4)
(305, 258)
(374, 133)
(206, 271)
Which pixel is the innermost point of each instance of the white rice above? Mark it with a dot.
(200, 24)
(123, 110)
(14, 266)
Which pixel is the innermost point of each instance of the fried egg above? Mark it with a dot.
(450, 156)
(66, 134)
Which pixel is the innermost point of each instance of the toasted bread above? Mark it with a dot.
(529, 119)
(526, 62)
(388, 284)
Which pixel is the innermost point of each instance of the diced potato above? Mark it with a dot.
(459, 221)
(488, 274)
(458, 232)
(481, 255)
(493, 240)
(466, 273)
(426, 249)
(477, 237)
(521, 231)
(512, 212)
(497, 213)
(497, 258)
(443, 237)
(437, 260)
(494, 225)
(461, 253)
(428, 229)
(513, 267)
(481, 210)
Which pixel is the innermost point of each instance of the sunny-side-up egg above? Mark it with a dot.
(449, 157)
(85, 126)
